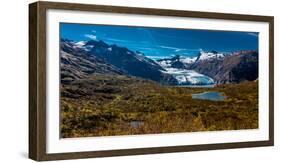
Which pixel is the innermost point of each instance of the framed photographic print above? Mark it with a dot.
(111, 81)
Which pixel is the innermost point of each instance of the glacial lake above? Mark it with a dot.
(213, 96)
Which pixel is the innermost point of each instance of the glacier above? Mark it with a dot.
(185, 76)
(180, 68)
(189, 77)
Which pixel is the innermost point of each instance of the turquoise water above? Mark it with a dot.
(213, 96)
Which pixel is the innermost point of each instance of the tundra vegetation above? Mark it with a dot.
(108, 105)
(109, 88)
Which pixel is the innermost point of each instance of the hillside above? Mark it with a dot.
(108, 90)
(112, 59)
(76, 64)
(107, 105)
(222, 68)
(234, 68)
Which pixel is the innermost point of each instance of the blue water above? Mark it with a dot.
(213, 96)
(136, 124)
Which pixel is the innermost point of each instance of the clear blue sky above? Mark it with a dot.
(158, 42)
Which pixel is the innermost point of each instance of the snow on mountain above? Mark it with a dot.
(188, 60)
(183, 68)
(233, 68)
(129, 62)
(165, 63)
(209, 55)
(176, 62)
(176, 70)
(80, 43)
(177, 66)
(184, 62)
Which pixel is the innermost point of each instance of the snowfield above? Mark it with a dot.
(209, 55)
(188, 60)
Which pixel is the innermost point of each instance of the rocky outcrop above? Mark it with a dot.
(234, 68)
(75, 64)
(78, 61)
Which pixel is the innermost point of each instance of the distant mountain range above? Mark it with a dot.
(234, 68)
(222, 68)
(81, 59)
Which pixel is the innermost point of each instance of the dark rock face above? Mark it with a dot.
(178, 64)
(99, 57)
(235, 68)
(175, 62)
(223, 68)
(75, 64)
(126, 60)
(80, 61)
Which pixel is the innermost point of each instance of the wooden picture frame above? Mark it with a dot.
(38, 79)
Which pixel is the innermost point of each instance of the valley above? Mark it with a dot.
(109, 90)
(106, 105)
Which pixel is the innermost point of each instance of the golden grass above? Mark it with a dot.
(160, 109)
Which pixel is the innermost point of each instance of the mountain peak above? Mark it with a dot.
(91, 42)
(97, 43)
(101, 43)
(209, 55)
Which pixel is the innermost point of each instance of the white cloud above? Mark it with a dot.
(117, 40)
(94, 31)
(172, 48)
(175, 49)
(93, 37)
(169, 47)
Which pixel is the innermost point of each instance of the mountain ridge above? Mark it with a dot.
(96, 56)
(224, 68)
(117, 59)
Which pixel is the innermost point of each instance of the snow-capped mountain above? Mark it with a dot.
(184, 62)
(76, 64)
(81, 59)
(213, 67)
(178, 67)
(232, 68)
(80, 44)
(116, 58)
(177, 62)
(209, 55)
(188, 60)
